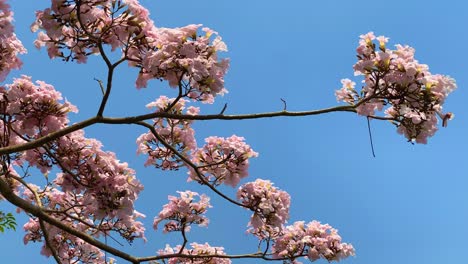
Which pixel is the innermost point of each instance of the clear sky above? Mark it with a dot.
(409, 204)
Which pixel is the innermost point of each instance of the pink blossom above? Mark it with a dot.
(69, 248)
(181, 55)
(10, 45)
(346, 93)
(312, 240)
(382, 42)
(394, 78)
(369, 108)
(222, 160)
(177, 133)
(270, 207)
(100, 189)
(33, 110)
(182, 212)
(200, 250)
(74, 36)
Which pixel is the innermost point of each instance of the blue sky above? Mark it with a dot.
(409, 204)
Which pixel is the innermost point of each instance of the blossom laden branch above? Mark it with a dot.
(45, 230)
(394, 78)
(190, 163)
(8, 194)
(94, 193)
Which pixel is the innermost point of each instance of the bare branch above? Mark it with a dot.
(134, 119)
(284, 104)
(224, 109)
(100, 85)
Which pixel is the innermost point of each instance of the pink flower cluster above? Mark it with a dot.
(270, 207)
(182, 212)
(222, 160)
(94, 193)
(34, 109)
(10, 45)
(109, 187)
(314, 240)
(177, 133)
(69, 249)
(182, 55)
(71, 209)
(73, 30)
(30, 111)
(198, 250)
(14, 185)
(394, 78)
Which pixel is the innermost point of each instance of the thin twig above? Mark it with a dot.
(224, 109)
(370, 136)
(284, 104)
(100, 85)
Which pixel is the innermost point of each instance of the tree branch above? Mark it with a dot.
(257, 255)
(134, 119)
(48, 138)
(41, 223)
(189, 163)
(38, 212)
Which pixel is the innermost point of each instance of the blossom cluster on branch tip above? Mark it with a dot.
(33, 110)
(314, 240)
(94, 192)
(270, 207)
(69, 247)
(10, 45)
(182, 212)
(28, 111)
(222, 160)
(394, 78)
(180, 54)
(177, 133)
(198, 250)
(74, 30)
